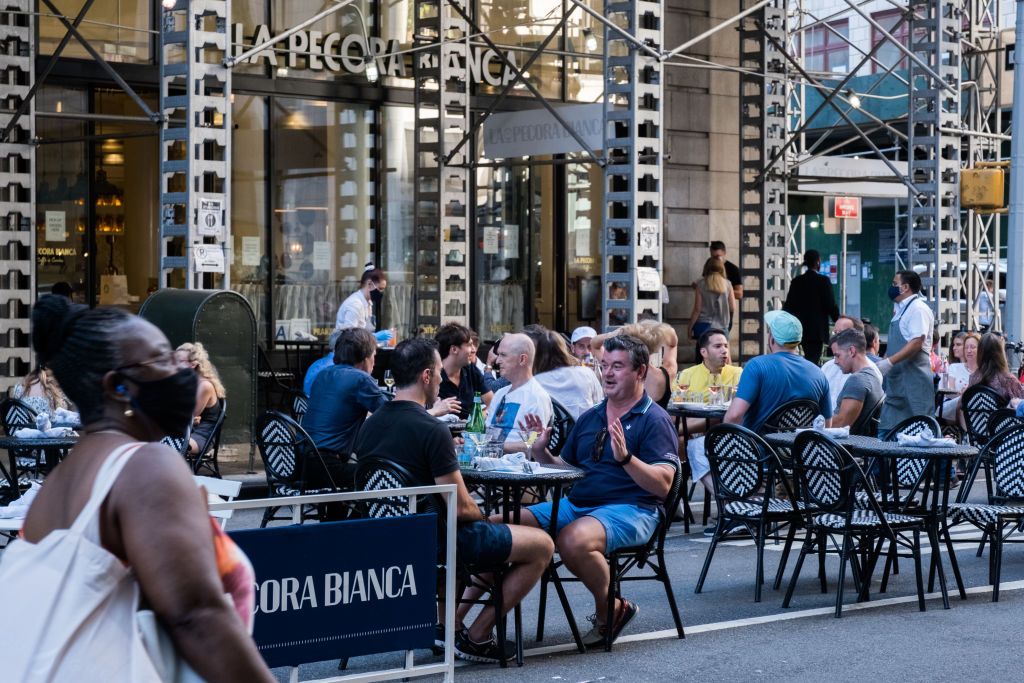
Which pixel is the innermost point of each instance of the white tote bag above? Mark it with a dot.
(70, 605)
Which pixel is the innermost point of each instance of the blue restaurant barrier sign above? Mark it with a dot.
(342, 589)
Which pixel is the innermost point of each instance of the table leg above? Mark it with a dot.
(554, 578)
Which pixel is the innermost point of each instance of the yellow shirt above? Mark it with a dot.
(698, 377)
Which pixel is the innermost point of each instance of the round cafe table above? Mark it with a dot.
(53, 448)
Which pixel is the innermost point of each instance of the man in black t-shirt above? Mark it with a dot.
(404, 433)
(732, 273)
(460, 378)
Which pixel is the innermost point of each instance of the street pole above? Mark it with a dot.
(1014, 323)
(842, 266)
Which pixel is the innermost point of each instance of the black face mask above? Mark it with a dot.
(169, 402)
(376, 296)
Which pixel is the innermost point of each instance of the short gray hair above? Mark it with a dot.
(639, 356)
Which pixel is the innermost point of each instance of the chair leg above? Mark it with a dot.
(759, 573)
(790, 535)
(997, 552)
(567, 610)
(953, 562)
(667, 582)
(501, 619)
(543, 605)
(687, 515)
(933, 537)
(609, 622)
(807, 546)
(844, 554)
(822, 547)
(981, 546)
(707, 559)
(917, 570)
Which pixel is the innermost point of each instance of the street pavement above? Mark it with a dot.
(730, 636)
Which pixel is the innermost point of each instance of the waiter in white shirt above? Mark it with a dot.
(357, 309)
(907, 369)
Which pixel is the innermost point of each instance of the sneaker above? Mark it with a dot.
(595, 636)
(710, 530)
(486, 652)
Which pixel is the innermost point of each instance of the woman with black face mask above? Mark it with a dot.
(131, 506)
(361, 307)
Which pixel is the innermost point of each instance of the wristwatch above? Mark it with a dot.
(629, 456)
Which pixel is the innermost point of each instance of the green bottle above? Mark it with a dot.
(476, 423)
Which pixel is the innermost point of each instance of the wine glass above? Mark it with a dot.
(389, 380)
(714, 387)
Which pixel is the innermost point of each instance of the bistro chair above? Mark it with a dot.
(867, 422)
(1003, 459)
(274, 385)
(978, 404)
(742, 466)
(622, 561)
(379, 474)
(828, 482)
(15, 414)
(285, 448)
(1004, 418)
(909, 471)
(562, 423)
(177, 443)
(299, 405)
(207, 459)
(790, 416)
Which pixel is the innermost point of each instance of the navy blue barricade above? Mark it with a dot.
(342, 589)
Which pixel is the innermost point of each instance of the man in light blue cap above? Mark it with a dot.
(780, 376)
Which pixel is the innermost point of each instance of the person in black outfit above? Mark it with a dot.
(732, 273)
(812, 301)
(461, 380)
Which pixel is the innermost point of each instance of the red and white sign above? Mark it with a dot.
(847, 207)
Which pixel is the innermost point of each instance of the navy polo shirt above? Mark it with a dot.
(338, 403)
(650, 436)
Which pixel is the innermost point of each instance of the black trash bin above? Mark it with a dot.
(224, 323)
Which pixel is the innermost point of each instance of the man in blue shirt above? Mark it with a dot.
(340, 399)
(628, 447)
(778, 377)
(322, 364)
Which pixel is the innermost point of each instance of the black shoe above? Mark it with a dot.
(486, 652)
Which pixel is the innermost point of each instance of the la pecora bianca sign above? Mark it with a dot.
(345, 53)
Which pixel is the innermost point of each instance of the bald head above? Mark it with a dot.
(845, 322)
(515, 358)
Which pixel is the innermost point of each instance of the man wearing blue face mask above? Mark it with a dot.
(357, 310)
(906, 368)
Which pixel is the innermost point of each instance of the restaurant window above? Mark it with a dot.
(324, 50)
(518, 28)
(584, 46)
(120, 31)
(397, 250)
(250, 266)
(826, 49)
(584, 183)
(324, 226)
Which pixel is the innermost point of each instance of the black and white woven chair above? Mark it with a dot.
(178, 443)
(379, 474)
(978, 404)
(16, 414)
(285, 448)
(742, 465)
(790, 416)
(909, 471)
(561, 424)
(1004, 418)
(829, 479)
(299, 405)
(208, 459)
(1003, 459)
(867, 422)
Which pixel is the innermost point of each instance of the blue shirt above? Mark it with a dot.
(771, 380)
(338, 403)
(650, 436)
(314, 370)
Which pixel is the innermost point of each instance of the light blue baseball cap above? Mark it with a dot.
(785, 327)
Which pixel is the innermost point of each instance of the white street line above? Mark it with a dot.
(770, 618)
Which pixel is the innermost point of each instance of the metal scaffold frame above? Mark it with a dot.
(17, 188)
(195, 145)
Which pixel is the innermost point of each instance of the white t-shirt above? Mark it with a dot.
(960, 374)
(916, 320)
(509, 406)
(575, 387)
(837, 380)
(355, 311)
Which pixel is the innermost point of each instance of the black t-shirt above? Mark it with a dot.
(404, 433)
(732, 273)
(471, 380)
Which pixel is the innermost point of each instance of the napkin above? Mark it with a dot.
(64, 415)
(450, 417)
(834, 432)
(19, 508)
(510, 462)
(49, 433)
(924, 439)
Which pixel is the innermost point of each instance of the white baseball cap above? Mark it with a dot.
(582, 333)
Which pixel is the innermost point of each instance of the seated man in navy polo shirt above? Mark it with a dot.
(341, 397)
(461, 380)
(628, 447)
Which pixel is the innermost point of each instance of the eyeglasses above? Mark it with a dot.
(162, 359)
(598, 451)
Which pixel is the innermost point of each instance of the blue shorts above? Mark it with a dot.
(483, 543)
(625, 524)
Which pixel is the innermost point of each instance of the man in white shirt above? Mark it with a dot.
(833, 373)
(522, 397)
(907, 368)
(357, 309)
